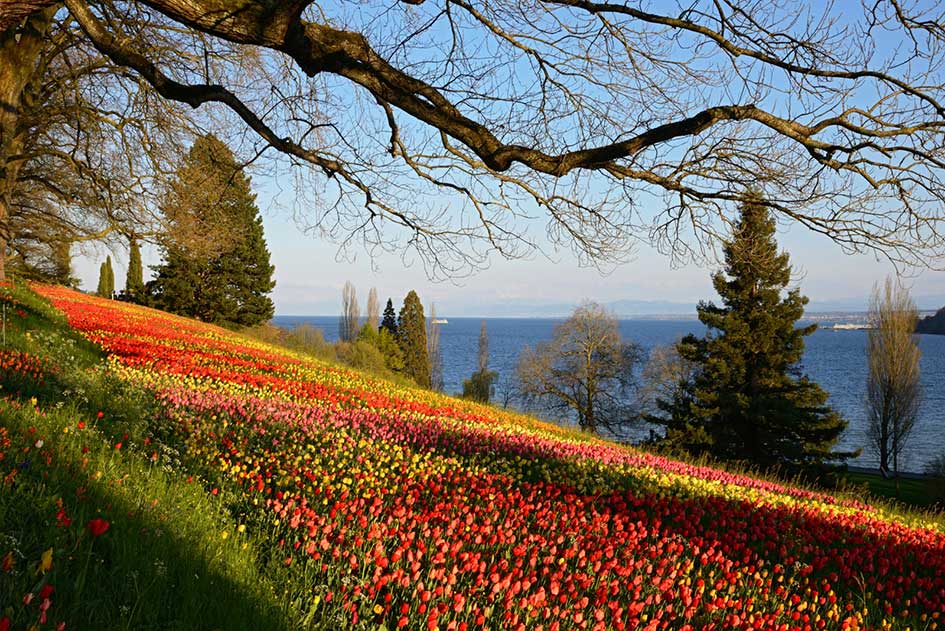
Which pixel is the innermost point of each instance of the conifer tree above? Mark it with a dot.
(390, 319)
(748, 400)
(106, 279)
(227, 280)
(102, 281)
(134, 282)
(412, 335)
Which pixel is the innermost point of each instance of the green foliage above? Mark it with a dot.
(106, 279)
(747, 401)
(389, 321)
(363, 356)
(230, 287)
(412, 337)
(480, 385)
(383, 341)
(134, 282)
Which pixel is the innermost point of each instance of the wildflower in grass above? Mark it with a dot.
(7, 564)
(45, 562)
(97, 526)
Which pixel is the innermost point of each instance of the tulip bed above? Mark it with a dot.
(389, 507)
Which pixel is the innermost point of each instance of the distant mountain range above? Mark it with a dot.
(663, 308)
(838, 310)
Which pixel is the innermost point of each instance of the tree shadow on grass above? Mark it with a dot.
(163, 563)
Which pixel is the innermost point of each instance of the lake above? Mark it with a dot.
(836, 359)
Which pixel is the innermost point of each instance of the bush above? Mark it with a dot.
(480, 386)
(386, 343)
(266, 332)
(310, 340)
(362, 355)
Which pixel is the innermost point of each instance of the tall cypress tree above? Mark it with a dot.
(102, 281)
(134, 282)
(748, 401)
(110, 286)
(228, 285)
(412, 332)
(390, 319)
(106, 279)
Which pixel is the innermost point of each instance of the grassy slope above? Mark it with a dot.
(173, 557)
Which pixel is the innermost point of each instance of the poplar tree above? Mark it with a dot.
(479, 386)
(434, 356)
(412, 335)
(748, 400)
(373, 310)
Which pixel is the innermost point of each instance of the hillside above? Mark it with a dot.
(934, 324)
(244, 486)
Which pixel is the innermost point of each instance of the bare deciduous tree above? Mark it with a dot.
(83, 143)
(586, 371)
(459, 122)
(350, 320)
(893, 387)
(373, 312)
(667, 376)
(483, 353)
(433, 351)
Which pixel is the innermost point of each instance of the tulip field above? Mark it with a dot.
(370, 505)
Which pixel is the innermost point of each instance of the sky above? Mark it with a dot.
(309, 277)
(309, 274)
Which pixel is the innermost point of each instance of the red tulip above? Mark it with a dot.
(97, 526)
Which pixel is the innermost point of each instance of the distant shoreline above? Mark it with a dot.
(816, 316)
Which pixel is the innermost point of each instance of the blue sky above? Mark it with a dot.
(309, 276)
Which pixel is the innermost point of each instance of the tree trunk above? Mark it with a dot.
(20, 47)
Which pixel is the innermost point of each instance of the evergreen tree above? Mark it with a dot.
(390, 319)
(412, 335)
(106, 279)
(134, 282)
(228, 284)
(748, 400)
(102, 281)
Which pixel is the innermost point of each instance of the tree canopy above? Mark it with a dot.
(570, 110)
(586, 372)
(747, 400)
(230, 282)
(412, 337)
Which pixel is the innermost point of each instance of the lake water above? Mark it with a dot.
(836, 359)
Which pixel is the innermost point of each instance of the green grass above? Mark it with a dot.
(914, 493)
(172, 557)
